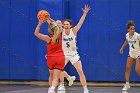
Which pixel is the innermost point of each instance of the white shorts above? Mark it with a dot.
(134, 54)
(72, 57)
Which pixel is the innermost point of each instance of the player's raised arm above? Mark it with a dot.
(78, 26)
(39, 35)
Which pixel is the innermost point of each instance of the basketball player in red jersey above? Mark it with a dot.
(55, 56)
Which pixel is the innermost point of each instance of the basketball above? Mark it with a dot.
(43, 15)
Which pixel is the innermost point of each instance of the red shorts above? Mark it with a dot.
(56, 62)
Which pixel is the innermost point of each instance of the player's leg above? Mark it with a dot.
(58, 67)
(79, 69)
(137, 67)
(50, 67)
(129, 64)
(69, 78)
(61, 86)
(56, 76)
(50, 77)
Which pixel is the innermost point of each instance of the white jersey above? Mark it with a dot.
(69, 43)
(134, 42)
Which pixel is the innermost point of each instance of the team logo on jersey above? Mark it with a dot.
(68, 39)
(132, 42)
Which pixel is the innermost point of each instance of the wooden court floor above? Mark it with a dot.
(72, 89)
(42, 87)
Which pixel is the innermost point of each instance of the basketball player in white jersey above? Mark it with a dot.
(133, 39)
(69, 46)
(71, 79)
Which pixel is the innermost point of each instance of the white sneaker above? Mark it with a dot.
(51, 90)
(86, 91)
(71, 80)
(61, 88)
(126, 87)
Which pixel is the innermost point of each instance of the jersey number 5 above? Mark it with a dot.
(67, 44)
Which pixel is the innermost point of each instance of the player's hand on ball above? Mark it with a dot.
(41, 21)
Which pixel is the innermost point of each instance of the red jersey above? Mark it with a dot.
(55, 49)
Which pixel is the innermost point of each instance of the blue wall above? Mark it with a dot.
(99, 39)
(16, 39)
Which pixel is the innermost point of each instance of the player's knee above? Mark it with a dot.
(55, 79)
(128, 69)
(63, 72)
(80, 70)
(51, 74)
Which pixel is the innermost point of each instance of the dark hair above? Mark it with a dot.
(130, 23)
(70, 21)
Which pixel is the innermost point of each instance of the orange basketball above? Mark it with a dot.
(43, 15)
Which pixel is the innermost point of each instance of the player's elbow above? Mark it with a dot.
(36, 34)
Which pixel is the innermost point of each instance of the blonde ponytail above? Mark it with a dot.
(55, 30)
